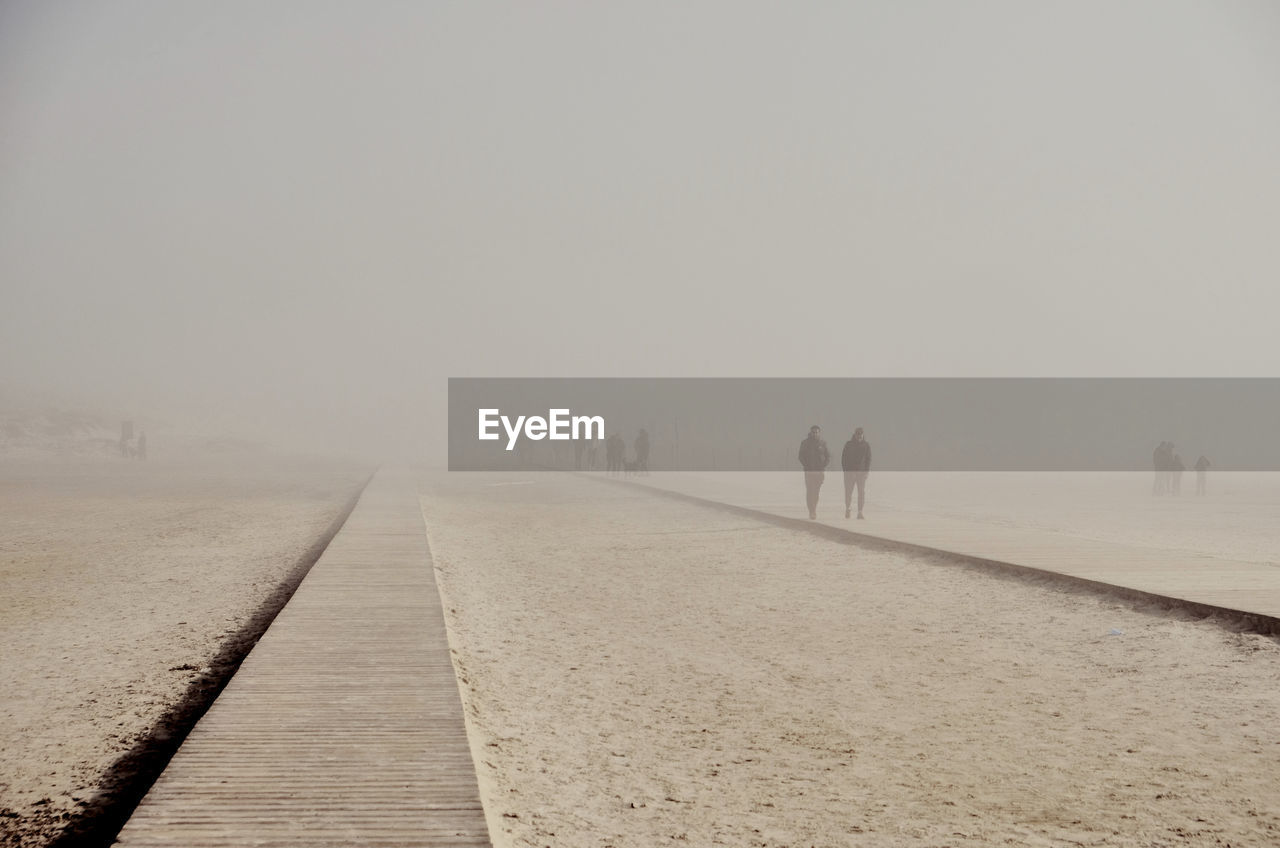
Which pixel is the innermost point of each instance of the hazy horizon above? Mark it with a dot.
(306, 217)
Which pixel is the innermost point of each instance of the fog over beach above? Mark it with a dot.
(267, 235)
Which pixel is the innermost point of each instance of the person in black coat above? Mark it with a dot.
(855, 459)
(814, 458)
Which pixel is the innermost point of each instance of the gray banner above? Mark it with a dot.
(930, 424)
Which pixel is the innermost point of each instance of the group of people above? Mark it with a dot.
(586, 455)
(1169, 467)
(855, 461)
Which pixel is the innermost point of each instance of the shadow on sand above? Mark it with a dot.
(1233, 620)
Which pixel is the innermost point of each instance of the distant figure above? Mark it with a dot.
(855, 460)
(126, 449)
(642, 452)
(1175, 474)
(1162, 458)
(1155, 464)
(1202, 471)
(579, 447)
(615, 452)
(142, 445)
(814, 457)
(593, 453)
(1157, 461)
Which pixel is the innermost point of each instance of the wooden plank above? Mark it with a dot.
(344, 725)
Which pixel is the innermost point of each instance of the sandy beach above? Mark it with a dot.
(638, 671)
(520, 240)
(127, 586)
(1235, 520)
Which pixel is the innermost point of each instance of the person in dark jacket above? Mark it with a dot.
(814, 458)
(856, 462)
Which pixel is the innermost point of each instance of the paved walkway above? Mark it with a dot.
(1199, 582)
(344, 726)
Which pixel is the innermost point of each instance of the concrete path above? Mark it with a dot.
(344, 726)
(1197, 581)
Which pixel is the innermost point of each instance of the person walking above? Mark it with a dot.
(814, 458)
(615, 453)
(1175, 474)
(1157, 462)
(855, 460)
(1202, 471)
(642, 452)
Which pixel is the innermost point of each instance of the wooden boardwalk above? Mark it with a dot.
(343, 727)
(1197, 581)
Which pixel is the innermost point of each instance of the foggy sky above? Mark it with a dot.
(311, 214)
